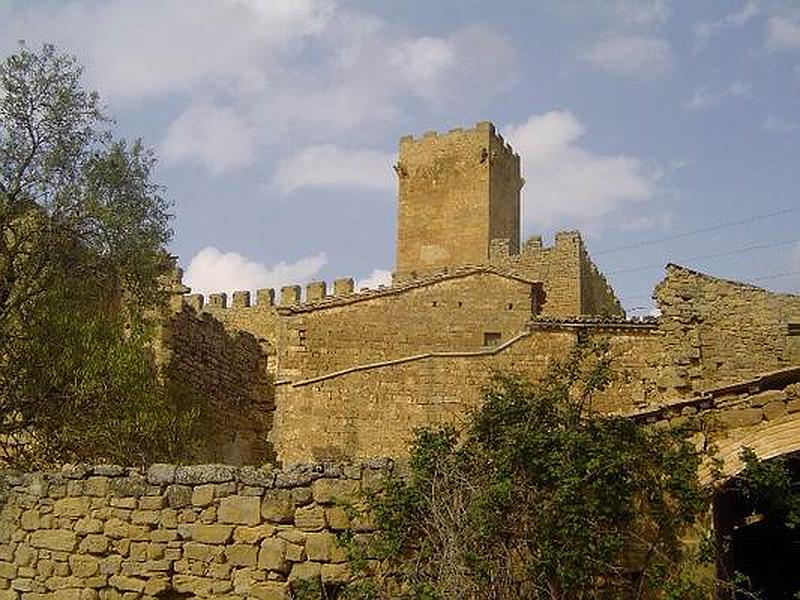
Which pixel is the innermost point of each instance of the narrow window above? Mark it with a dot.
(460, 304)
(510, 306)
(793, 328)
(491, 338)
(434, 304)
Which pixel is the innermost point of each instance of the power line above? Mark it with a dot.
(685, 234)
(706, 256)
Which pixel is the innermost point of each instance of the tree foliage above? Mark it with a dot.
(82, 235)
(540, 497)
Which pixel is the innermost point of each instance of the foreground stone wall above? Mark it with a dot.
(208, 531)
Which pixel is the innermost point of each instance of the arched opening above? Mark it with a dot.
(756, 544)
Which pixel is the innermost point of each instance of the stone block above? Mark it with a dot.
(265, 297)
(278, 506)
(764, 398)
(211, 534)
(241, 299)
(72, 507)
(241, 510)
(161, 474)
(269, 590)
(315, 291)
(336, 491)
(203, 495)
(272, 555)
(310, 518)
(774, 410)
(242, 555)
(343, 287)
(54, 539)
(290, 295)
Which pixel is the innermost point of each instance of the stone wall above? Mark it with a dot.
(719, 331)
(373, 409)
(210, 531)
(229, 368)
(455, 191)
(573, 286)
(462, 310)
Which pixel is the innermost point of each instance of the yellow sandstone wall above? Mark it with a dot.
(719, 331)
(457, 191)
(447, 312)
(206, 531)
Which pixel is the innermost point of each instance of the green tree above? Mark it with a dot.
(540, 497)
(82, 235)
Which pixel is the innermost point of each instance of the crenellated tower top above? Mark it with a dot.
(457, 192)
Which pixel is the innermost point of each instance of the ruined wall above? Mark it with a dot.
(455, 190)
(572, 284)
(373, 411)
(208, 531)
(447, 312)
(230, 369)
(720, 331)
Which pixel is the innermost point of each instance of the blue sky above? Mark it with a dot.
(276, 122)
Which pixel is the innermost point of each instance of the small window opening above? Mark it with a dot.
(460, 304)
(510, 306)
(434, 303)
(794, 328)
(491, 338)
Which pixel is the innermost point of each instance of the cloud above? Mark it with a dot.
(783, 33)
(211, 270)
(706, 97)
(217, 138)
(631, 55)
(374, 280)
(568, 183)
(329, 166)
(244, 76)
(732, 20)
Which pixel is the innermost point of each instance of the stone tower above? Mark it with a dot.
(458, 192)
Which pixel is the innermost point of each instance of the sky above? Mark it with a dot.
(664, 131)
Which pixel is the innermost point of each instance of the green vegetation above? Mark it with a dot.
(539, 497)
(82, 236)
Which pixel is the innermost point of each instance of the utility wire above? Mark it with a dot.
(685, 234)
(705, 256)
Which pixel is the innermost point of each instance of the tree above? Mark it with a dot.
(82, 235)
(540, 497)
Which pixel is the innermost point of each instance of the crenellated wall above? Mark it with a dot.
(573, 285)
(206, 531)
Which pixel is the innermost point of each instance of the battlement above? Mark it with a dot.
(500, 248)
(265, 298)
(431, 139)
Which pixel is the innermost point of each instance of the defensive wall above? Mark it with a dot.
(215, 531)
(355, 373)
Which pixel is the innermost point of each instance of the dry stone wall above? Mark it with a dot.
(209, 531)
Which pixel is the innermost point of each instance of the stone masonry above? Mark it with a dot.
(206, 531)
(356, 371)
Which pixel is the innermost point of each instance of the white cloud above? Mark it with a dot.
(729, 21)
(706, 97)
(783, 33)
(631, 55)
(217, 138)
(567, 183)
(331, 166)
(242, 76)
(211, 270)
(374, 280)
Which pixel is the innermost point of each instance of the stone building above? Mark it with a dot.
(355, 372)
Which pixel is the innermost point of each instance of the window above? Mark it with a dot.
(793, 328)
(491, 338)
(510, 306)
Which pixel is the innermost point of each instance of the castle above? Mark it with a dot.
(353, 373)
